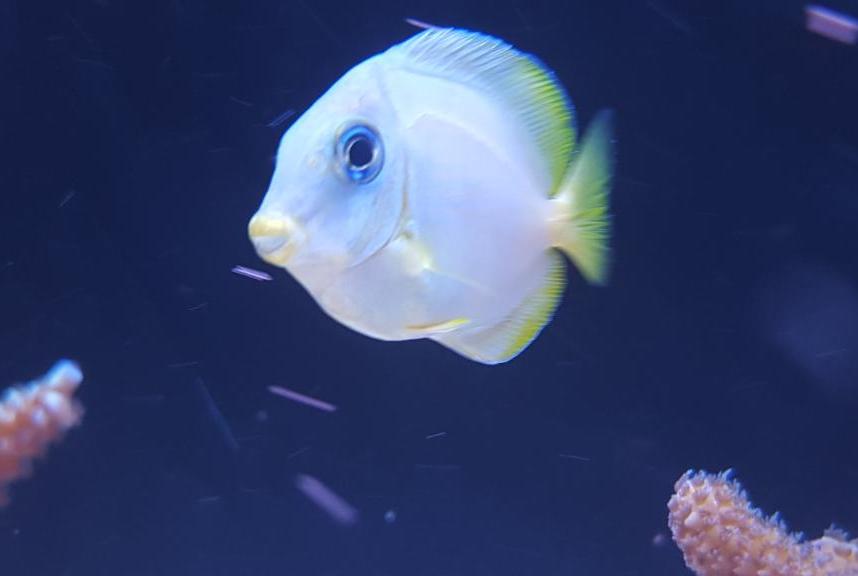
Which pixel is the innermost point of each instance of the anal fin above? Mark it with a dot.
(508, 338)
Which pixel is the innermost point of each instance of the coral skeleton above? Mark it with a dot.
(32, 417)
(721, 534)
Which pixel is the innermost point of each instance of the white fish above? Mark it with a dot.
(427, 193)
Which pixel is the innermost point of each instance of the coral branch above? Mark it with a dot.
(721, 534)
(34, 415)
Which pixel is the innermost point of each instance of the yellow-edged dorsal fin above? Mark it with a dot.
(505, 340)
(519, 80)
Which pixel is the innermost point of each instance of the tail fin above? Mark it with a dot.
(581, 223)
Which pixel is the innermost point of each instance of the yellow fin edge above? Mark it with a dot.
(581, 223)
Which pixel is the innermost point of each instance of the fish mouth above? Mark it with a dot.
(276, 237)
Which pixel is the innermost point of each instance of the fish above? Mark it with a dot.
(433, 191)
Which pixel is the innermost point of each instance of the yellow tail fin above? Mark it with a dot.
(581, 223)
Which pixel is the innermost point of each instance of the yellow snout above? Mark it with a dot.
(275, 237)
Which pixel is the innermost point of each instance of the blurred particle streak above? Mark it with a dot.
(419, 24)
(251, 273)
(188, 364)
(216, 416)
(241, 102)
(810, 313)
(302, 399)
(659, 540)
(666, 13)
(830, 24)
(280, 119)
(574, 457)
(68, 196)
(327, 500)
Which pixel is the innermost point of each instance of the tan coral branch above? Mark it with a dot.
(33, 416)
(721, 534)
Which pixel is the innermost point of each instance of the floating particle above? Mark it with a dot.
(68, 196)
(251, 273)
(833, 25)
(436, 435)
(216, 415)
(420, 24)
(329, 502)
(298, 452)
(390, 516)
(241, 102)
(281, 119)
(187, 364)
(438, 466)
(302, 399)
(810, 312)
(574, 457)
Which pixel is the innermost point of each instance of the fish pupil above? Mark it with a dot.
(360, 152)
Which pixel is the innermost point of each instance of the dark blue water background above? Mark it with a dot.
(136, 145)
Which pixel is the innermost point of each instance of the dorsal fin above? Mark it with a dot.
(527, 86)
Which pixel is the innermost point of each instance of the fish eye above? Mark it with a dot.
(361, 153)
